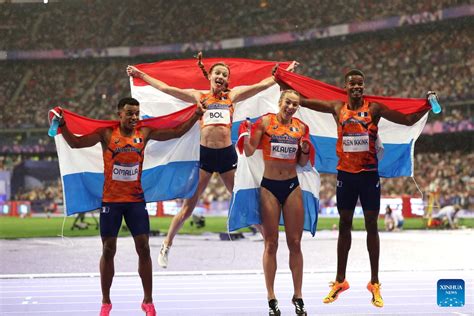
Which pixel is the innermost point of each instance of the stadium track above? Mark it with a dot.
(212, 277)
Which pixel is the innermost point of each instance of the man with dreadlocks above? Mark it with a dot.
(217, 154)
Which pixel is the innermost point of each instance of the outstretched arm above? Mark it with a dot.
(381, 110)
(252, 140)
(187, 95)
(243, 93)
(320, 105)
(81, 141)
(178, 131)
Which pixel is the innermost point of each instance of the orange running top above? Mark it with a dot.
(219, 110)
(281, 142)
(356, 136)
(123, 162)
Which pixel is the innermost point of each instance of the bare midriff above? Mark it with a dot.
(279, 170)
(215, 136)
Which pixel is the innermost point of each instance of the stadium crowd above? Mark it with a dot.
(393, 64)
(404, 62)
(80, 24)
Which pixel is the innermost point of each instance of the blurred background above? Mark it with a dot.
(73, 53)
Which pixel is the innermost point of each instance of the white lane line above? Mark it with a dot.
(308, 302)
(167, 282)
(204, 289)
(231, 308)
(26, 300)
(193, 294)
(221, 272)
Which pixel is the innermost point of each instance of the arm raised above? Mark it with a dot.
(176, 132)
(187, 95)
(381, 110)
(88, 140)
(243, 93)
(320, 105)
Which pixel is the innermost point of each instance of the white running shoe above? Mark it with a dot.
(163, 256)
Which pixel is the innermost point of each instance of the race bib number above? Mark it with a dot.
(126, 172)
(355, 143)
(283, 151)
(217, 116)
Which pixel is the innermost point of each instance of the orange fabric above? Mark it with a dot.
(123, 162)
(281, 142)
(356, 136)
(217, 109)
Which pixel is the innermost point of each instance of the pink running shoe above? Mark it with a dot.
(149, 309)
(105, 309)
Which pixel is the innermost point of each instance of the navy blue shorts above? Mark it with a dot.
(134, 213)
(280, 189)
(364, 185)
(218, 160)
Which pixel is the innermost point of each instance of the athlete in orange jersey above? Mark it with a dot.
(357, 177)
(123, 148)
(217, 154)
(280, 136)
(123, 161)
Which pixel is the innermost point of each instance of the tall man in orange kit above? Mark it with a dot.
(358, 177)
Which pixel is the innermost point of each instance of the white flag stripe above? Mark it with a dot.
(74, 160)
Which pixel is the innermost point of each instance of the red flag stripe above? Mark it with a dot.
(314, 89)
(82, 125)
(186, 74)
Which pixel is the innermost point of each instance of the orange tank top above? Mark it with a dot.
(219, 110)
(123, 162)
(356, 136)
(281, 142)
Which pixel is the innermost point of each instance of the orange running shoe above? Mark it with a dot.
(105, 309)
(336, 289)
(149, 309)
(377, 300)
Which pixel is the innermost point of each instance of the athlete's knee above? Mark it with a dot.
(294, 245)
(345, 225)
(371, 224)
(108, 251)
(271, 246)
(143, 249)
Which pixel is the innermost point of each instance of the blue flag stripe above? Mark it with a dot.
(245, 210)
(83, 191)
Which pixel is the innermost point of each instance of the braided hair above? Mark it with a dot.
(204, 71)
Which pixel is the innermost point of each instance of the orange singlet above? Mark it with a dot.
(356, 136)
(219, 110)
(123, 161)
(280, 142)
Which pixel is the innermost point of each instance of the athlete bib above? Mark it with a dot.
(219, 116)
(355, 142)
(125, 172)
(283, 151)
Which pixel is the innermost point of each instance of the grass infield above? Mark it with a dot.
(15, 227)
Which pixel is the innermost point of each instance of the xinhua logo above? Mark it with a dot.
(451, 293)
